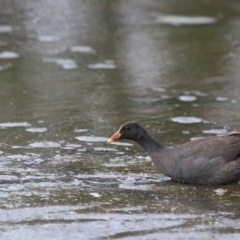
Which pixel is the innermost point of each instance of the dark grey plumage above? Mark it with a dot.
(208, 161)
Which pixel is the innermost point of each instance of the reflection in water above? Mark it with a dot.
(8, 55)
(14, 124)
(187, 98)
(83, 49)
(108, 64)
(64, 63)
(36, 130)
(187, 120)
(4, 29)
(71, 72)
(185, 20)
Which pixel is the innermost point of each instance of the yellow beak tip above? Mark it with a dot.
(109, 141)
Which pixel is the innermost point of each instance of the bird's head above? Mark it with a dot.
(129, 130)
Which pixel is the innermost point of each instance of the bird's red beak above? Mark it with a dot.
(116, 136)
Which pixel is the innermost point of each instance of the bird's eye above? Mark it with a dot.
(126, 129)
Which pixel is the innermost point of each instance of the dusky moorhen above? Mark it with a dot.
(207, 161)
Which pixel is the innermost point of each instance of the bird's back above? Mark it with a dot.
(212, 160)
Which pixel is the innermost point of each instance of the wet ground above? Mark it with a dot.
(71, 73)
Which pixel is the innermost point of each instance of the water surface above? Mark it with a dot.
(70, 74)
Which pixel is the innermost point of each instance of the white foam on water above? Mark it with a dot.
(73, 145)
(159, 89)
(221, 99)
(5, 28)
(19, 147)
(187, 120)
(177, 20)
(80, 130)
(65, 63)
(8, 55)
(36, 130)
(83, 49)
(45, 144)
(94, 194)
(14, 124)
(122, 144)
(216, 131)
(91, 139)
(195, 138)
(18, 157)
(102, 149)
(187, 98)
(8, 178)
(220, 191)
(49, 39)
(108, 64)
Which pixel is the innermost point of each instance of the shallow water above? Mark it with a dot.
(70, 74)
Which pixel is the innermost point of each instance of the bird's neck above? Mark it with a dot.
(149, 143)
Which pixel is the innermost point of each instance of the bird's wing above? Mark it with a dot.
(214, 172)
(226, 147)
